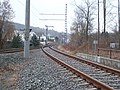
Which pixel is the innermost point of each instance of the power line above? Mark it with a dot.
(52, 19)
(35, 16)
(50, 14)
(21, 2)
(35, 9)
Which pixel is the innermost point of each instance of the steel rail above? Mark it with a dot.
(100, 66)
(13, 50)
(95, 82)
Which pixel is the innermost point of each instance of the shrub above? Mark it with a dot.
(16, 42)
(34, 40)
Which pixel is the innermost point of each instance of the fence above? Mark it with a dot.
(110, 53)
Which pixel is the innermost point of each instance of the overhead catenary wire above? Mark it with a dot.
(53, 19)
(50, 14)
(44, 14)
(21, 2)
(38, 17)
(35, 16)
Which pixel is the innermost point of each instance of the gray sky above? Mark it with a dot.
(44, 6)
(57, 7)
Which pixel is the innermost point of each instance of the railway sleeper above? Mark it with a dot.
(100, 74)
(92, 73)
(64, 71)
(112, 81)
(91, 89)
(108, 78)
(85, 85)
(116, 86)
(78, 80)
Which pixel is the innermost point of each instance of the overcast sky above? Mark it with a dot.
(55, 7)
(44, 6)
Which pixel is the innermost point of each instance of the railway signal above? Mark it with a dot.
(47, 33)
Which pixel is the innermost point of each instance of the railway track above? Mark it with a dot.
(107, 76)
(43, 74)
(73, 77)
(13, 50)
(64, 77)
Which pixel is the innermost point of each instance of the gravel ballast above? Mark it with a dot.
(39, 72)
(94, 72)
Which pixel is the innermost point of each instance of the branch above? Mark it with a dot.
(80, 8)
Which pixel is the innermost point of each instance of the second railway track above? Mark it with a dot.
(13, 50)
(109, 78)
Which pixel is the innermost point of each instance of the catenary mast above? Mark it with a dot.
(27, 30)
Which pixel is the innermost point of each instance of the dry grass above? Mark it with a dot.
(9, 75)
(88, 50)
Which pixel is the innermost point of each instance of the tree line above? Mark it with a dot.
(85, 27)
(6, 26)
(8, 39)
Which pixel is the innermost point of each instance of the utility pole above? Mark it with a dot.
(27, 28)
(98, 25)
(47, 34)
(119, 21)
(104, 37)
(104, 8)
(66, 22)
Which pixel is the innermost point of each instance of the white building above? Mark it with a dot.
(43, 39)
(22, 34)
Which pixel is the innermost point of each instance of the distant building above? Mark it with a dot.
(114, 45)
(22, 34)
(51, 38)
(43, 39)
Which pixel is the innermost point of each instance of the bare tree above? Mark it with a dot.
(6, 14)
(85, 14)
(78, 36)
(83, 23)
(109, 21)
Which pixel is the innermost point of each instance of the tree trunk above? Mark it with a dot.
(0, 38)
(1, 27)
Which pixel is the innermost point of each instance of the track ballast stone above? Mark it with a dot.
(39, 72)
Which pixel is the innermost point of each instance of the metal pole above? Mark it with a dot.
(46, 34)
(98, 25)
(119, 21)
(104, 8)
(27, 25)
(66, 22)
